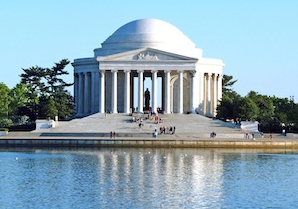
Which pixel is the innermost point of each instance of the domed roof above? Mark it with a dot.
(152, 33)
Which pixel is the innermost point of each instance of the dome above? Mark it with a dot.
(151, 33)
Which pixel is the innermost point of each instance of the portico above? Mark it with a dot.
(189, 83)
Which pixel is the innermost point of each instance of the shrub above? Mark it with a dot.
(5, 122)
(4, 129)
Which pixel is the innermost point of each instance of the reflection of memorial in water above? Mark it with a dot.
(148, 178)
(171, 171)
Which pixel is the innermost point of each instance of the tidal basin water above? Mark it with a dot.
(148, 178)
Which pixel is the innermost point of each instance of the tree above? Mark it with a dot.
(294, 116)
(4, 100)
(4, 103)
(47, 107)
(248, 110)
(265, 106)
(33, 78)
(227, 83)
(55, 84)
(273, 114)
(286, 113)
(63, 101)
(227, 108)
(65, 104)
(47, 83)
(19, 97)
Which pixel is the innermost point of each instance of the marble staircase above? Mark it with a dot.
(100, 125)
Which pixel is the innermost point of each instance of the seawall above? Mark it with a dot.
(169, 143)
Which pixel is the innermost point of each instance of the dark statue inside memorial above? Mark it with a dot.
(147, 99)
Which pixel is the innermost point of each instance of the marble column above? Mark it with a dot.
(93, 91)
(192, 91)
(81, 94)
(214, 102)
(219, 87)
(180, 89)
(209, 93)
(76, 91)
(201, 92)
(140, 91)
(86, 93)
(127, 91)
(102, 91)
(114, 92)
(154, 90)
(167, 92)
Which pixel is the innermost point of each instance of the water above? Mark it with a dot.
(148, 178)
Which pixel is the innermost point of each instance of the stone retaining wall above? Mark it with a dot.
(146, 143)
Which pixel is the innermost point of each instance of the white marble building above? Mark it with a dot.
(138, 50)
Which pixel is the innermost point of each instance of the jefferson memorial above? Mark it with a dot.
(147, 49)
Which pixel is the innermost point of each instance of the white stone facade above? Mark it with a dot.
(147, 48)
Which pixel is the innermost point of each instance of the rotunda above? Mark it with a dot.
(113, 80)
(151, 33)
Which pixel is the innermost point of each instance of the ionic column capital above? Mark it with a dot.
(208, 75)
(192, 73)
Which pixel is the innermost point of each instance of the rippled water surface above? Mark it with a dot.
(148, 178)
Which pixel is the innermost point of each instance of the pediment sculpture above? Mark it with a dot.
(147, 56)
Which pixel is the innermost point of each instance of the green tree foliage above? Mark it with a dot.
(248, 110)
(5, 122)
(273, 114)
(32, 77)
(265, 106)
(54, 83)
(225, 109)
(4, 103)
(64, 104)
(4, 100)
(227, 84)
(286, 112)
(56, 86)
(47, 107)
(48, 83)
(19, 97)
(228, 108)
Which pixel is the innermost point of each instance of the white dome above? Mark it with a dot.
(142, 33)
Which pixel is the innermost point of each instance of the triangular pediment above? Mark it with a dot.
(145, 54)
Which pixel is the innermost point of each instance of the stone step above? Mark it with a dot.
(122, 124)
(138, 135)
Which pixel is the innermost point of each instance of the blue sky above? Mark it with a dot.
(257, 40)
